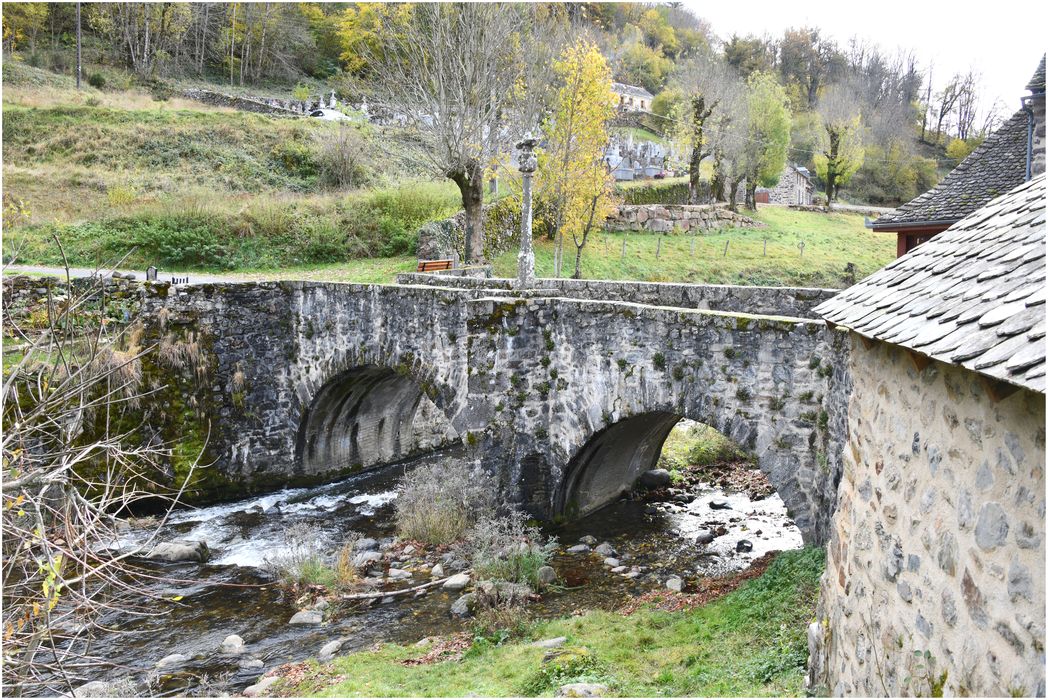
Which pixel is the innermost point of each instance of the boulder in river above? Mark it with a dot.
(180, 551)
(456, 582)
(365, 544)
(328, 651)
(172, 660)
(744, 546)
(504, 593)
(546, 575)
(704, 536)
(605, 550)
(120, 688)
(611, 562)
(399, 574)
(249, 664)
(259, 690)
(582, 690)
(719, 504)
(463, 607)
(437, 571)
(306, 617)
(579, 549)
(675, 583)
(588, 540)
(233, 644)
(655, 479)
(362, 559)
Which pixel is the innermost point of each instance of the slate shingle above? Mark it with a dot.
(979, 296)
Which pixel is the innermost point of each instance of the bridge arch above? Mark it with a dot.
(366, 416)
(610, 459)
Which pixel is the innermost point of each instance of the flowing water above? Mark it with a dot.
(232, 593)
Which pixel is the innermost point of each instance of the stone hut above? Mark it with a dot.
(1009, 156)
(935, 576)
(632, 98)
(795, 187)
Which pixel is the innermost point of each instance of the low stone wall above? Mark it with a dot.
(245, 104)
(794, 302)
(685, 217)
(935, 576)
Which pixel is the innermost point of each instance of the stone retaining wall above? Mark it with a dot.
(796, 302)
(244, 104)
(935, 577)
(667, 217)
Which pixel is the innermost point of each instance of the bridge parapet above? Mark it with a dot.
(795, 302)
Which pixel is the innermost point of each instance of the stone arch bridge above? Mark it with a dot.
(566, 391)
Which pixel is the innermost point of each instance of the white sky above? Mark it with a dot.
(1002, 40)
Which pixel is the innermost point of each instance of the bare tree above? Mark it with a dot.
(947, 99)
(705, 81)
(454, 70)
(70, 467)
(967, 105)
(842, 152)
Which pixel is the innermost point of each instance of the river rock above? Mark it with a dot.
(619, 569)
(655, 479)
(579, 549)
(249, 664)
(463, 607)
(171, 660)
(361, 560)
(550, 643)
(675, 583)
(180, 551)
(95, 689)
(424, 642)
(328, 651)
(546, 575)
(307, 617)
(365, 544)
(719, 504)
(399, 574)
(588, 540)
(582, 690)
(259, 689)
(744, 546)
(605, 550)
(456, 582)
(651, 510)
(233, 644)
(611, 562)
(704, 536)
(437, 571)
(504, 592)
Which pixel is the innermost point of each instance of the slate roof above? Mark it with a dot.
(995, 167)
(1036, 83)
(973, 295)
(635, 91)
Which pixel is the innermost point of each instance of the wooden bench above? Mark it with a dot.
(434, 265)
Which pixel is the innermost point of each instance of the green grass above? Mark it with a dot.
(831, 242)
(698, 445)
(751, 642)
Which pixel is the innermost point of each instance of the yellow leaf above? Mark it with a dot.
(177, 598)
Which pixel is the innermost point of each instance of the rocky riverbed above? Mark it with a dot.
(229, 622)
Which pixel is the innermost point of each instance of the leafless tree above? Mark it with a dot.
(947, 99)
(71, 465)
(455, 71)
(705, 82)
(967, 105)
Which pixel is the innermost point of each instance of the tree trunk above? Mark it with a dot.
(831, 166)
(699, 115)
(579, 245)
(471, 188)
(733, 190)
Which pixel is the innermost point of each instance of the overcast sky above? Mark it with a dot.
(1002, 40)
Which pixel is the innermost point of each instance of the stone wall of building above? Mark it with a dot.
(796, 302)
(792, 188)
(935, 577)
(1037, 155)
(667, 217)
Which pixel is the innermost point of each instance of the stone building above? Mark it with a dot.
(1009, 156)
(795, 187)
(935, 576)
(632, 98)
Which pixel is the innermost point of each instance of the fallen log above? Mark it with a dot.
(402, 591)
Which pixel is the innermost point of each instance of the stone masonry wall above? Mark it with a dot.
(935, 577)
(796, 302)
(526, 383)
(667, 217)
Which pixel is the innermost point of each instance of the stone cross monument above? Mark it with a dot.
(526, 256)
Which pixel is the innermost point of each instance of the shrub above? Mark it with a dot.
(655, 193)
(507, 549)
(299, 562)
(342, 157)
(296, 159)
(439, 503)
(96, 80)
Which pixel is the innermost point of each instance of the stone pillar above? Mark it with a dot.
(526, 256)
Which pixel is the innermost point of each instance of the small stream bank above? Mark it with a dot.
(652, 541)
